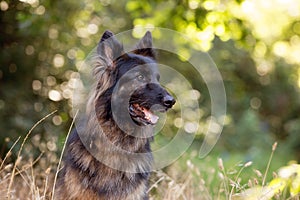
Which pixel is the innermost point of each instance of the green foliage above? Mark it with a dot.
(284, 186)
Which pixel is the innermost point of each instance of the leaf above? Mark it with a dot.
(295, 184)
(256, 193)
(289, 171)
(278, 184)
(291, 174)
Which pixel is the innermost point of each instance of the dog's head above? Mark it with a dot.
(134, 79)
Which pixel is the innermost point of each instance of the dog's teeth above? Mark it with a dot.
(150, 116)
(154, 119)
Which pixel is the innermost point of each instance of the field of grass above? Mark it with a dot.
(24, 175)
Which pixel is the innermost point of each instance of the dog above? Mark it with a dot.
(109, 156)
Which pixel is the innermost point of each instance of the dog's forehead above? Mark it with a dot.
(142, 64)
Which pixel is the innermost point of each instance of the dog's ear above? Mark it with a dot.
(144, 46)
(109, 49)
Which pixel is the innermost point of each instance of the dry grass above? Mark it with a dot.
(24, 177)
(21, 179)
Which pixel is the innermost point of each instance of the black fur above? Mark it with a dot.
(132, 80)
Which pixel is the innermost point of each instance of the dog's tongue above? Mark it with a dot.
(150, 116)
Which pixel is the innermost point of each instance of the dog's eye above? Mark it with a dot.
(140, 77)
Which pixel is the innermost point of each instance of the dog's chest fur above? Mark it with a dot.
(84, 177)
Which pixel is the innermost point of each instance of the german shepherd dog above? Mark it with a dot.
(109, 156)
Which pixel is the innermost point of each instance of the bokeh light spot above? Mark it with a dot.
(193, 4)
(40, 10)
(178, 122)
(53, 33)
(38, 107)
(191, 127)
(92, 28)
(36, 85)
(29, 50)
(58, 60)
(255, 103)
(57, 120)
(51, 80)
(54, 95)
(4, 5)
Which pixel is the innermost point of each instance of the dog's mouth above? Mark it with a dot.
(142, 115)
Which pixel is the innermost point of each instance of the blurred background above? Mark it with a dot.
(255, 45)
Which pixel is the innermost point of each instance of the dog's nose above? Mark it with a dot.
(168, 101)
